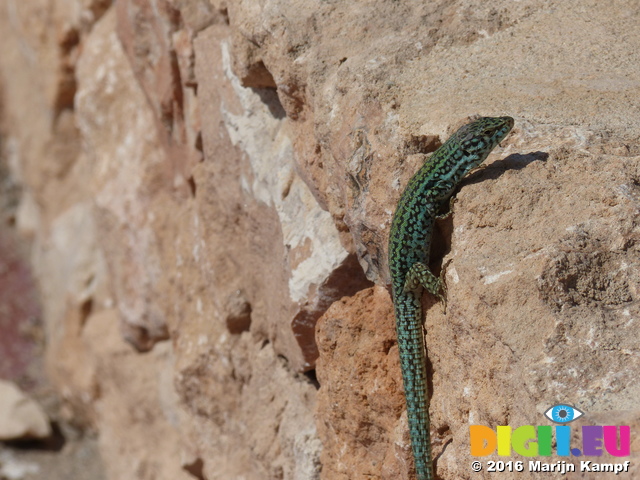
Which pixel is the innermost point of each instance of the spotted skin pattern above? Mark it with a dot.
(409, 244)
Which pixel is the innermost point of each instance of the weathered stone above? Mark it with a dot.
(19, 308)
(20, 416)
(208, 178)
(360, 400)
(128, 169)
(12, 468)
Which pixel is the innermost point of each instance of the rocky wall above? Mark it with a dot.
(208, 186)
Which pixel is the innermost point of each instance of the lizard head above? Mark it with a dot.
(479, 137)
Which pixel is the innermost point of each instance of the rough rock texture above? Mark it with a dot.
(20, 416)
(208, 188)
(19, 309)
(360, 398)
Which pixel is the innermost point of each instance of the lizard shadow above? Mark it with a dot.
(515, 161)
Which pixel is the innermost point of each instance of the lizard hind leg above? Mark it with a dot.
(419, 275)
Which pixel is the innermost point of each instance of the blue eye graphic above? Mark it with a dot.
(563, 413)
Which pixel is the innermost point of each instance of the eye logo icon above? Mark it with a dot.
(563, 413)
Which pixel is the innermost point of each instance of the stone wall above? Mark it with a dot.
(207, 187)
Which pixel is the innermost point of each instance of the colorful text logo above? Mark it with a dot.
(532, 441)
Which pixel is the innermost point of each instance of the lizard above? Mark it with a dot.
(409, 244)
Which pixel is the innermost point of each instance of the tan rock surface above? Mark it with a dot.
(204, 180)
(360, 402)
(20, 416)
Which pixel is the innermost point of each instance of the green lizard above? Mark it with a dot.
(409, 243)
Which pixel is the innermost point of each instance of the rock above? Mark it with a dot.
(360, 401)
(12, 468)
(203, 180)
(20, 416)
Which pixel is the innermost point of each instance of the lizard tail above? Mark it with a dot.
(414, 375)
